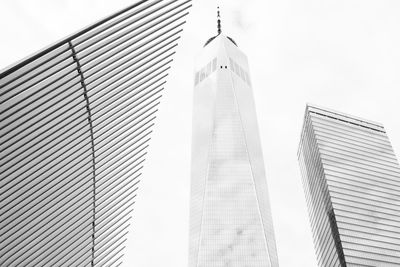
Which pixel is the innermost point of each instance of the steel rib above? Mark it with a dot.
(56, 46)
(78, 106)
(39, 156)
(132, 86)
(97, 77)
(80, 38)
(52, 137)
(50, 102)
(56, 163)
(66, 79)
(118, 144)
(116, 49)
(120, 81)
(43, 209)
(112, 162)
(103, 39)
(117, 192)
(60, 69)
(32, 228)
(126, 23)
(46, 233)
(128, 56)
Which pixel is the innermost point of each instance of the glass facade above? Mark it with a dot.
(351, 180)
(230, 223)
(76, 119)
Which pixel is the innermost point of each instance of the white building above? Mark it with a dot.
(230, 217)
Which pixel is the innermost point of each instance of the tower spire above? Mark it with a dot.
(218, 21)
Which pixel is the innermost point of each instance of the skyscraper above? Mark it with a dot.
(351, 180)
(230, 216)
(76, 120)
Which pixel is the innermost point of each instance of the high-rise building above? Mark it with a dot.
(230, 216)
(76, 120)
(351, 180)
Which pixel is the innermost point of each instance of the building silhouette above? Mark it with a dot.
(230, 217)
(351, 180)
(76, 120)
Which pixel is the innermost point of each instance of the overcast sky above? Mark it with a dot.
(341, 54)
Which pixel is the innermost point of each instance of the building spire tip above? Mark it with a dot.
(218, 21)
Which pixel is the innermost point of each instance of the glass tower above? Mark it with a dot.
(351, 180)
(230, 217)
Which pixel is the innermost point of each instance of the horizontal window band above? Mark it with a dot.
(366, 221)
(357, 186)
(348, 133)
(379, 206)
(360, 164)
(376, 234)
(349, 170)
(338, 126)
(358, 155)
(334, 139)
(357, 176)
(372, 127)
(357, 208)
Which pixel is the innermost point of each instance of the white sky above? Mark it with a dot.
(341, 54)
